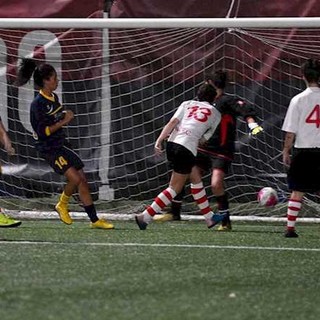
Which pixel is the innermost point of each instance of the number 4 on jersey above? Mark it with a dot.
(314, 116)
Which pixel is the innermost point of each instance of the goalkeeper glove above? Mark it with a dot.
(254, 128)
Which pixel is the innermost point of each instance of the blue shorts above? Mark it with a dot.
(62, 159)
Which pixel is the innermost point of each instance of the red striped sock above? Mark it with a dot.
(200, 197)
(294, 207)
(162, 200)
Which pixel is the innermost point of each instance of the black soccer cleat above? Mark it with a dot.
(215, 219)
(291, 234)
(141, 224)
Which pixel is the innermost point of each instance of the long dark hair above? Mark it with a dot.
(219, 78)
(207, 93)
(28, 67)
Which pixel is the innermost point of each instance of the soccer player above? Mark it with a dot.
(217, 155)
(192, 121)
(5, 220)
(301, 125)
(48, 117)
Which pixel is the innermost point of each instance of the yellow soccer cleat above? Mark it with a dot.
(166, 217)
(101, 224)
(225, 227)
(163, 217)
(63, 212)
(7, 222)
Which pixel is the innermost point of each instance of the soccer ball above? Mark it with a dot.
(267, 197)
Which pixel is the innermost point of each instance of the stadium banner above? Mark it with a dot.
(77, 91)
(212, 9)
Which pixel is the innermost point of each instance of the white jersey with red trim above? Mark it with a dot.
(303, 118)
(197, 119)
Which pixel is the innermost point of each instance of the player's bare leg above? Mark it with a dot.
(163, 199)
(77, 178)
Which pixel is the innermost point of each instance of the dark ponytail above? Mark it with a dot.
(28, 67)
(207, 93)
(219, 79)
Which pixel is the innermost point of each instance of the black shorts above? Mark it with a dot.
(181, 159)
(208, 162)
(62, 159)
(304, 170)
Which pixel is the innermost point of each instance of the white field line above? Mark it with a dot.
(159, 245)
(45, 215)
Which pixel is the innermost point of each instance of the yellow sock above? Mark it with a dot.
(64, 198)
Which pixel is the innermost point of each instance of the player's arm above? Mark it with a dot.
(41, 125)
(288, 143)
(215, 120)
(168, 128)
(249, 114)
(58, 125)
(5, 140)
(254, 127)
(290, 126)
(67, 116)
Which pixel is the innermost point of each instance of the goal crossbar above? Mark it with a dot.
(84, 23)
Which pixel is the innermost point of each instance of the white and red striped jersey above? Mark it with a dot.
(196, 119)
(303, 118)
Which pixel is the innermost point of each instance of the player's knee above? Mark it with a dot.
(217, 188)
(297, 195)
(83, 181)
(79, 181)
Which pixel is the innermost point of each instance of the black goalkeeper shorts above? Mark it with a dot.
(209, 162)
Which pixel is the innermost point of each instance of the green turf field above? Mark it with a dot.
(172, 271)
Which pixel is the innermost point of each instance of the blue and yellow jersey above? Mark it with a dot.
(44, 112)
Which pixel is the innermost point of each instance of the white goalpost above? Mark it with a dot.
(123, 78)
(155, 23)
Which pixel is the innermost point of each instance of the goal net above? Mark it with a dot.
(124, 84)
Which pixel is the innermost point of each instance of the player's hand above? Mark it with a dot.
(203, 142)
(10, 150)
(286, 159)
(254, 129)
(68, 116)
(8, 147)
(158, 148)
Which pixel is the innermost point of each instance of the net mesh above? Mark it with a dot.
(124, 85)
